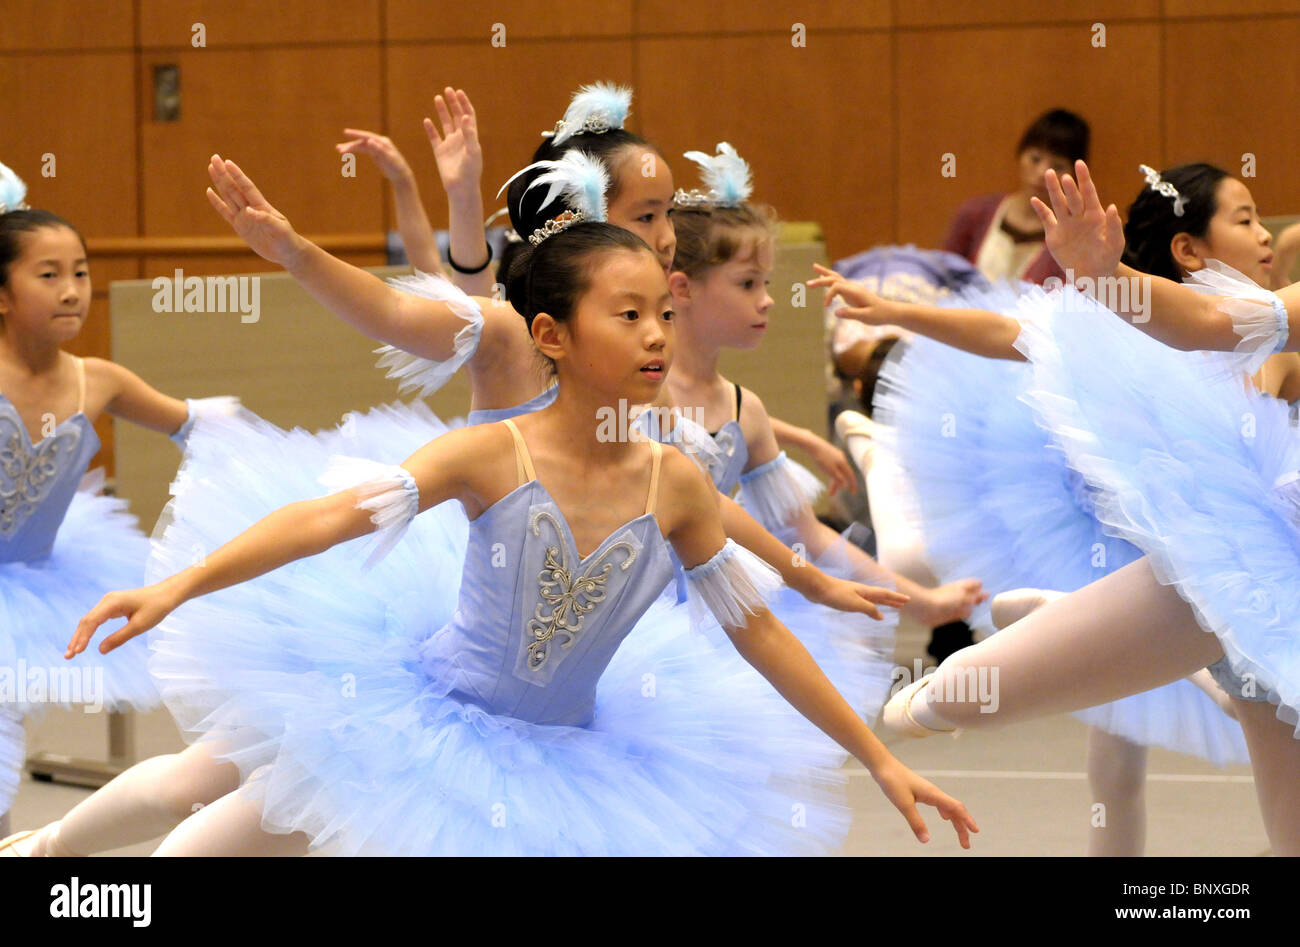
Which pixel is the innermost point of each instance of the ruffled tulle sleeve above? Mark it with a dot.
(220, 406)
(731, 586)
(689, 437)
(1258, 315)
(422, 374)
(388, 491)
(775, 492)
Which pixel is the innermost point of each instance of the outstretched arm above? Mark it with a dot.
(977, 331)
(460, 166)
(766, 644)
(296, 531)
(825, 454)
(412, 221)
(133, 399)
(420, 326)
(1088, 241)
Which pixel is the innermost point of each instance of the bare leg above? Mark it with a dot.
(230, 827)
(148, 800)
(1275, 759)
(1117, 773)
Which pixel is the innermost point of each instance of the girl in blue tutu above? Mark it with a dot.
(62, 544)
(496, 731)
(1188, 463)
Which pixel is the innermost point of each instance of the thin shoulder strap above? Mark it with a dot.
(523, 461)
(737, 387)
(81, 385)
(656, 452)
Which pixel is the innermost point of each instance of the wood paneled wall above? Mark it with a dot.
(848, 128)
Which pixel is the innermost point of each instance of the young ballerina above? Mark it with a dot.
(1037, 528)
(497, 732)
(1200, 474)
(61, 546)
(723, 262)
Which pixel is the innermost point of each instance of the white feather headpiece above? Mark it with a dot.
(13, 192)
(581, 179)
(726, 175)
(594, 108)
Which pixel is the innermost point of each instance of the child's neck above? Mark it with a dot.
(35, 357)
(577, 413)
(695, 364)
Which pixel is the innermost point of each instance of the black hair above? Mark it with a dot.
(1059, 131)
(552, 276)
(526, 214)
(15, 223)
(1152, 224)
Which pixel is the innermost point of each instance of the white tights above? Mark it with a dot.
(1121, 635)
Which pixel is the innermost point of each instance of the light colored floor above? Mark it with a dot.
(1025, 786)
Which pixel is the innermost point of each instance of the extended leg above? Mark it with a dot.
(1117, 774)
(230, 827)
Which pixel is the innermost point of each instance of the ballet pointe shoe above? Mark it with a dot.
(896, 716)
(1009, 607)
(9, 846)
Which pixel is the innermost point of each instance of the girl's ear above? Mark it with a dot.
(549, 336)
(1188, 252)
(679, 284)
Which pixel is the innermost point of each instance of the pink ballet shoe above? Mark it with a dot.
(896, 716)
(8, 847)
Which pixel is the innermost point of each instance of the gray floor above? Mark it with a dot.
(1025, 786)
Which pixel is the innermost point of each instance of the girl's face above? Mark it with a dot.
(620, 337)
(1034, 163)
(733, 296)
(1235, 236)
(48, 292)
(644, 203)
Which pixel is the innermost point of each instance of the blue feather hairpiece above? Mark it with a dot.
(13, 192)
(726, 175)
(595, 108)
(582, 181)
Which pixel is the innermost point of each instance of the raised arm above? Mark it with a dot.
(460, 166)
(417, 325)
(412, 221)
(719, 572)
(386, 497)
(1088, 241)
(977, 331)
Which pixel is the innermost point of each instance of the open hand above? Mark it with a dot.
(1085, 240)
(455, 147)
(860, 303)
(381, 150)
(144, 607)
(947, 603)
(834, 464)
(846, 596)
(266, 231)
(905, 789)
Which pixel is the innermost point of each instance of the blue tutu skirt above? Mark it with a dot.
(98, 549)
(997, 500)
(1192, 466)
(312, 675)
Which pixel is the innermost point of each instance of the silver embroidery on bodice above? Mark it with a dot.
(566, 598)
(28, 472)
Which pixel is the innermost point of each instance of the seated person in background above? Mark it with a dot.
(1000, 233)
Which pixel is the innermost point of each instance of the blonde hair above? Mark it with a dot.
(708, 236)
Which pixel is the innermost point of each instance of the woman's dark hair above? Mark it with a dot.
(14, 224)
(1152, 224)
(526, 213)
(1060, 132)
(552, 276)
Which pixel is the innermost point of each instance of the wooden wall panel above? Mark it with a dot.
(451, 20)
(1177, 9)
(278, 113)
(169, 23)
(671, 17)
(943, 13)
(518, 92)
(1236, 108)
(1117, 89)
(814, 123)
(79, 107)
(66, 25)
